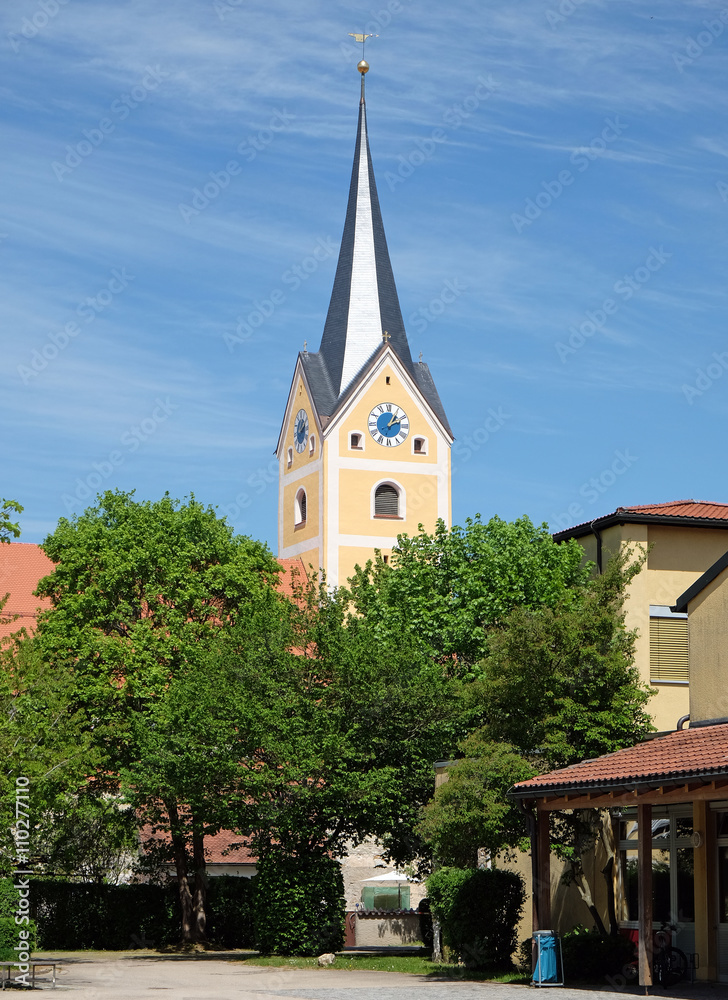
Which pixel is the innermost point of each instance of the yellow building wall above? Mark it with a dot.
(677, 557)
(708, 630)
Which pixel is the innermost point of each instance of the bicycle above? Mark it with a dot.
(669, 964)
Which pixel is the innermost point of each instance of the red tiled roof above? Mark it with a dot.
(652, 512)
(218, 850)
(684, 754)
(22, 565)
(293, 575)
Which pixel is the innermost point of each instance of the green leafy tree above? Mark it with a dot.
(350, 735)
(140, 595)
(560, 683)
(9, 529)
(42, 739)
(451, 588)
(471, 811)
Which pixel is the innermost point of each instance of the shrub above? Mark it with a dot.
(478, 909)
(78, 915)
(9, 937)
(230, 913)
(298, 905)
(589, 956)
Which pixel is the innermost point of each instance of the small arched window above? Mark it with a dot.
(355, 441)
(312, 444)
(386, 501)
(300, 511)
(419, 446)
(290, 457)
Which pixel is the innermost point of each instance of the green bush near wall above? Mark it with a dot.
(298, 905)
(479, 909)
(75, 915)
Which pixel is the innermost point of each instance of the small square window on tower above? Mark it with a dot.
(312, 444)
(419, 446)
(356, 441)
(290, 457)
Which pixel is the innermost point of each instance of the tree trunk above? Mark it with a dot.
(609, 837)
(585, 892)
(179, 846)
(200, 887)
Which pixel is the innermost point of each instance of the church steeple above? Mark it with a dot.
(364, 300)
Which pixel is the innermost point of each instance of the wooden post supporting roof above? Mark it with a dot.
(706, 924)
(644, 892)
(543, 886)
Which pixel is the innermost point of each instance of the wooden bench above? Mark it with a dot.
(34, 966)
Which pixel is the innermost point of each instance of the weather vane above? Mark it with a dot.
(361, 38)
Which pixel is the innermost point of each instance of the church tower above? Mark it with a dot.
(364, 449)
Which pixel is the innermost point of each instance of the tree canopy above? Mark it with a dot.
(450, 588)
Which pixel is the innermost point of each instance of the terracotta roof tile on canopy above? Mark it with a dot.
(695, 512)
(22, 565)
(679, 757)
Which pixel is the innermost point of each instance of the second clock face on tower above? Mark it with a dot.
(300, 430)
(388, 424)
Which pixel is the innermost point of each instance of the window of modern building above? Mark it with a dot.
(668, 646)
(300, 511)
(386, 501)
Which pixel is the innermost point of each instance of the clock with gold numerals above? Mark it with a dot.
(388, 424)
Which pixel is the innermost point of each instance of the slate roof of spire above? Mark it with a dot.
(364, 302)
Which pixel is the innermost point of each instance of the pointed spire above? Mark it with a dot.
(364, 300)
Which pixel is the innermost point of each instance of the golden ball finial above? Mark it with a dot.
(363, 67)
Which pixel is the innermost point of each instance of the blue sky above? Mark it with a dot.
(174, 182)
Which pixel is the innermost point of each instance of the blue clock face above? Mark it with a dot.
(388, 424)
(300, 430)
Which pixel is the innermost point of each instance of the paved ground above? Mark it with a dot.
(208, 977)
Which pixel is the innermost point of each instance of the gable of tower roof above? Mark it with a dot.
(364, 304)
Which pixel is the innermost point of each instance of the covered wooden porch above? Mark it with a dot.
(686, 768)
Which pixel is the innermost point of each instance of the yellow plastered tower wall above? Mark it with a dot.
(682, 540)
(365, 445)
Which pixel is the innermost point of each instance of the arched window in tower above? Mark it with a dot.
(300, 509)
(387, 501)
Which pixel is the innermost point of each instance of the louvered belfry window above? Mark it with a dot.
(669, 649)
(301, 507)
(386, 501)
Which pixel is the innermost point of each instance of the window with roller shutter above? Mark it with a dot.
(668, 647)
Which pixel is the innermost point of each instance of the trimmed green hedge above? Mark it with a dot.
(479, 909)
(298, 905)
(77, 915)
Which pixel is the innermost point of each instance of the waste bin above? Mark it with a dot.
(548, 967)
